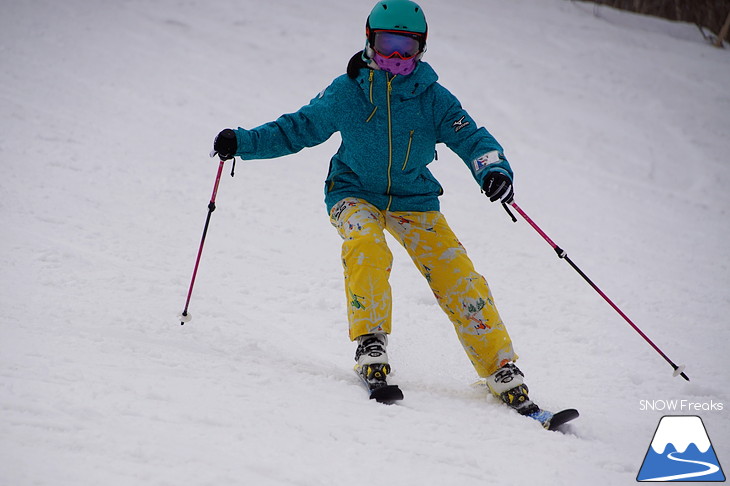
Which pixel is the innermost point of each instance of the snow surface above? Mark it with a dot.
(619, 135)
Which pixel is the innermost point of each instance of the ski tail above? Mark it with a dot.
(373, 378)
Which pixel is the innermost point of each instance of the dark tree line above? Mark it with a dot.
(713, 15)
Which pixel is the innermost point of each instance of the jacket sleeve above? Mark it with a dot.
(475, 145)
(312, 125)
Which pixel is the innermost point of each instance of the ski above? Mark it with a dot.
(549, 420)
(372, 378)
(554, 420)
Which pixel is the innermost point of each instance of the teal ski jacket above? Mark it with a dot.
(390, 126)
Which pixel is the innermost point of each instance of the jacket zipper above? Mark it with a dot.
(371, 115)
(375, 107)
(408, 150)
(390, 140)
(372, 73)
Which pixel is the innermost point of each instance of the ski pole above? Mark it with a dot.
(678, 370)
(185, 317)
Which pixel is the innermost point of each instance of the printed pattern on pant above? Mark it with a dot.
(461, 292)
(367, 261)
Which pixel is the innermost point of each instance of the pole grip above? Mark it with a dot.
(217, 181)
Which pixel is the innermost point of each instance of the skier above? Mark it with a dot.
(391, 112)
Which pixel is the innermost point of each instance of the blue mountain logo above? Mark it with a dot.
(681, 451)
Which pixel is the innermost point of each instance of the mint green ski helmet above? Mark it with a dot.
(396, 15)
(402, 15)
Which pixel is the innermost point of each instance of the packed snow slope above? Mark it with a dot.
(617, 127)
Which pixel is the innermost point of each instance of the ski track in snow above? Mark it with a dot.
(616, 128)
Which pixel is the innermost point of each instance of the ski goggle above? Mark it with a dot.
(405, 45)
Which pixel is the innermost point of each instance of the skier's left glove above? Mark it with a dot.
(225, 144)
(497, 185)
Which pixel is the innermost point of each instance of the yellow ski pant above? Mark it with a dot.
(461, 292)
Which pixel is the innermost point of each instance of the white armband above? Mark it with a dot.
(486, 160)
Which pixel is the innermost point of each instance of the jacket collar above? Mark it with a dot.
(403, 87)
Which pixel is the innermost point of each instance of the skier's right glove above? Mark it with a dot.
(225, 144)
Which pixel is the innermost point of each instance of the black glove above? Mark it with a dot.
(225, 144)
(498, 185)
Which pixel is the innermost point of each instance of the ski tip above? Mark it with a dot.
(561, 418)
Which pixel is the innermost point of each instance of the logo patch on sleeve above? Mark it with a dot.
(485, 160)
(459, 124)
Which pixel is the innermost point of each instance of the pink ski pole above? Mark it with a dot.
(678, 370)
(185, 317)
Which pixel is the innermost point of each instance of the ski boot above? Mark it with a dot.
(507, 383)
(372, 359)
(372, 367)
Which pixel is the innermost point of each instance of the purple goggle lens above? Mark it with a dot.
(405, 45)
